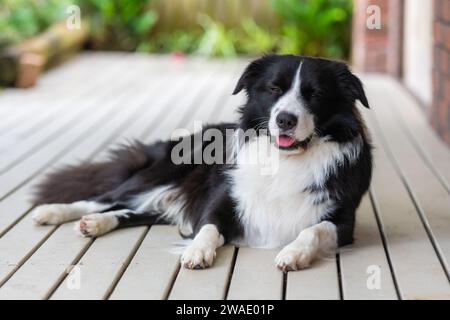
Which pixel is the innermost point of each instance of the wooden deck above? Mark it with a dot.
(80, 109)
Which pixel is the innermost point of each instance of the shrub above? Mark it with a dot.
(310, 27)
(21, 19)
(119, 24)
(319, 27)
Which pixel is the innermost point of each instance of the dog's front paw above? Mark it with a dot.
(293, 259)
(48, 214)
(195, 257)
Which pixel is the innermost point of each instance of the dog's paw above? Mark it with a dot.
(290, 259)
(48, 214)
(95, 225)
(195, 257)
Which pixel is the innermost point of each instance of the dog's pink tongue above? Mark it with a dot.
(285, 141)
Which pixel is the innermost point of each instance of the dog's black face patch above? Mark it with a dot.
(329, 88)
(265, 81)
(325, 90)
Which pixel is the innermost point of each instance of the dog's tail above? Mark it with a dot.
(91, 179)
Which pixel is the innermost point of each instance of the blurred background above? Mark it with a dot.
(224, 28)
(411, 41)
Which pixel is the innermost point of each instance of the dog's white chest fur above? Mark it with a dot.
(274, 207)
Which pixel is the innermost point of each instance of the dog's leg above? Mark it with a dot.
(201, 253)
(63, 212)
(302, 251)
(97, 224)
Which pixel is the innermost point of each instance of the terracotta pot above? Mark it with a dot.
(30, 68)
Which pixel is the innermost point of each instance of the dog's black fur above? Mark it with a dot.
(330, 91)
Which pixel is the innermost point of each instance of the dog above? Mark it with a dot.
(301, 109)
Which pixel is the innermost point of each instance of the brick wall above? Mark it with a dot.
(440, 110)
(378, 50)
(382, 51)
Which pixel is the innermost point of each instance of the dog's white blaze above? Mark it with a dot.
(274, 209)
(291, 102)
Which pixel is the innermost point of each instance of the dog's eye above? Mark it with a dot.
(309, 92)
(275, 90)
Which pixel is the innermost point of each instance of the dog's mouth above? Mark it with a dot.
(286, 142)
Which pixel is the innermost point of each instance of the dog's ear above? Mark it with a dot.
(353, 85)
(252, 72)
(241, 83)
(357, 89)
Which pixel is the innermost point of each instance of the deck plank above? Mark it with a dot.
(429, 194)
(255, 276)
(50, 261)
(425, 140)
(152, 270)
(407, 241)
(358, 261)
(318, 282)
(209, 284)
(100, 266)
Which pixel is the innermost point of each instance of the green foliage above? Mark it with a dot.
(21, 19)
(176, 41)
(216, 39)
(319, 27)
(120, 24)
(310, 27)
(256, 39)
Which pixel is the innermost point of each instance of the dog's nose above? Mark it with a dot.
(286, 120)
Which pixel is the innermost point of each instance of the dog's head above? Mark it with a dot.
(296, 97)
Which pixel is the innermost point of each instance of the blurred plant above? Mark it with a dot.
(318, 27)
(21, 19)
(177, 41)
(310, 27)
(216, 40)
(256, 39)
(120, 24)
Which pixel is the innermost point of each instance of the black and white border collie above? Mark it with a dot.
(306, 109)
